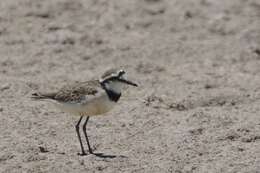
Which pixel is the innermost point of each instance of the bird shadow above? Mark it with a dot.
(108, 156)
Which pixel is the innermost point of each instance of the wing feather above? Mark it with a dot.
(72, 93)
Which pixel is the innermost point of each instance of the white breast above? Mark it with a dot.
(96, 105)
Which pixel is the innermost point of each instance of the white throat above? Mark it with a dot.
(114, 86)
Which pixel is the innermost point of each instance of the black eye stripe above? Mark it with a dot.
(121, 73)
(110, 79)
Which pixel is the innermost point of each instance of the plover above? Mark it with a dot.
(89, 98)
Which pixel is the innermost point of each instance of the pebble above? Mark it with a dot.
(5, 87)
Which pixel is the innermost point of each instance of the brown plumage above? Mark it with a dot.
(71, 93)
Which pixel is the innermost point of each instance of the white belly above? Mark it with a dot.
(95, 106)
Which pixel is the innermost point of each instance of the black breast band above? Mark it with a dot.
(112, 95)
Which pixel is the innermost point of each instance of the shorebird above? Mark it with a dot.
(88, 98)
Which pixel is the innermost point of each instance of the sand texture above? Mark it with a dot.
(197, 109)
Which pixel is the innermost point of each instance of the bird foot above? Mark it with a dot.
(82, 154)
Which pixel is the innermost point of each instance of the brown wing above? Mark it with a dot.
(77, 91)
(71, 93)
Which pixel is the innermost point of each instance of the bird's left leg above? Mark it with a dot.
(85, 133)
(78, 134)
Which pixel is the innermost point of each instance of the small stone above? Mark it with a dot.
(86, 57)
(241, 149)
(188, 14)
(257, 51)
(5, 87)
(43, 150)
(208, 86)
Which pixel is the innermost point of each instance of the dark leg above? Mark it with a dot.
(85, 133)
(77, 130)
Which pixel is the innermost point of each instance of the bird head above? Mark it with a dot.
(115, 80)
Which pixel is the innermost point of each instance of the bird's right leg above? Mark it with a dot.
(77, 130)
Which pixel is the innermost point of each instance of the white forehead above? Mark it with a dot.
(112, 73)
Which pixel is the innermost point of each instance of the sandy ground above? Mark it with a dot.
(197, 63)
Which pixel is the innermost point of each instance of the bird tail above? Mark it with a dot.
(40, 96)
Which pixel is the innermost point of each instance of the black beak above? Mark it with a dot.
(128, 82)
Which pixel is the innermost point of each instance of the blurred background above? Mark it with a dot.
(197, 64)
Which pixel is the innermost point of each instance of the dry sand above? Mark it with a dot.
(197, 63)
